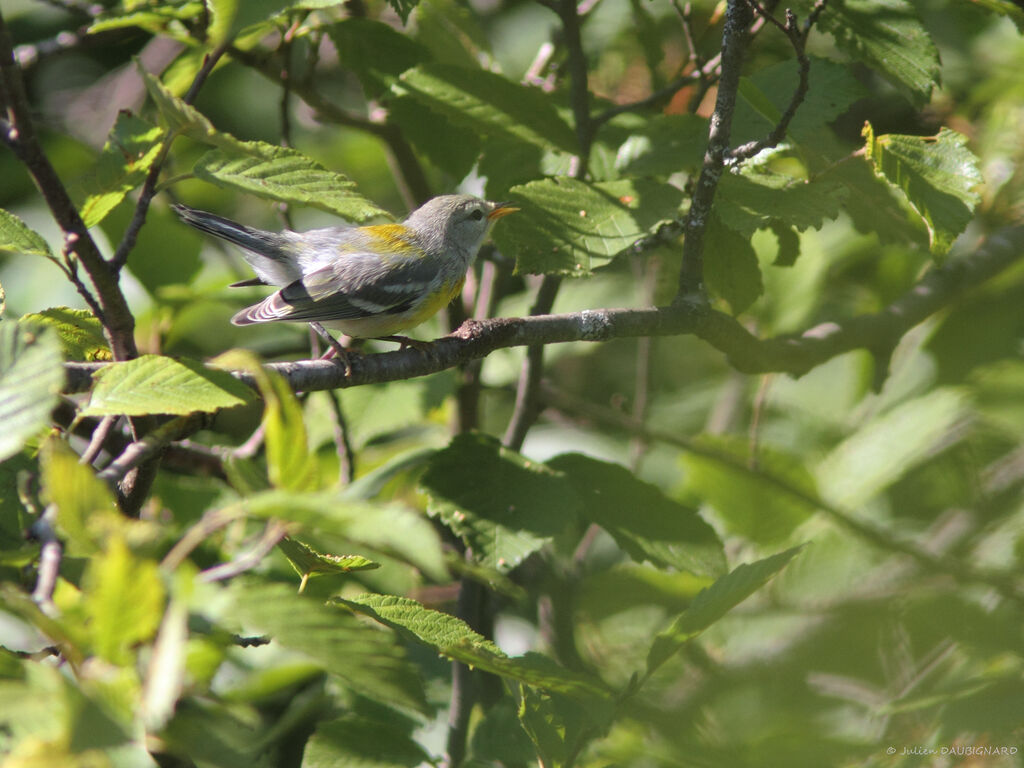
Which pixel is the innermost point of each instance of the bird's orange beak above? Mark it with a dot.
(503, 209)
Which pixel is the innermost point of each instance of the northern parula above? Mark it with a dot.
(367, 282)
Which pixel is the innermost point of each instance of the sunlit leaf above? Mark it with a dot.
(938, 174)
(86, 510)
(31, 377)
(570, 227)
(81, 334)
(157, 384)
(16, 237)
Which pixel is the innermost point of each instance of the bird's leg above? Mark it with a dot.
(336, 350)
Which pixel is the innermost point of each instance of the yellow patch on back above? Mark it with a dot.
(394, 239)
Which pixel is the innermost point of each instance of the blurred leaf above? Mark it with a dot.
(713, 603)
(165, 252)
(884, 448)
(938, 174)
(214, 736)
(395, 407)
(308, 562)
(31, 378)
(157, 384)
(489, 104)
(132, 148)
(557, 726)
(362, 743)
(453, 638)
(373, 483)
(664, 145)
(80, 333)
(570, 227)
(744, 490)
(750, 201)
(390, 529)
(361, 657)
(154, 18)
(511, 509)
(165, 673)
(376, 52)
(888, 36)
(230, 17)
(730, 266)
(641, 519)
(288, 176)
(86, 510)
(15, 237)
(124, 599)
(452, 148)
(452, 32)
(403, 8)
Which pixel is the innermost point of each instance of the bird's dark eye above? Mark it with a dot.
(476, 215)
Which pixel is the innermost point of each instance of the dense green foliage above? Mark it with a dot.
(689, 548)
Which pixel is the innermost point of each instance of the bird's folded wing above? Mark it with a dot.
(358, 286)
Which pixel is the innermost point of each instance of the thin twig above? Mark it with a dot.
(274, 531)
(148, 190)
(208, 524)
(50, 553)
(96, 441)
(149, 446)
(342, 442)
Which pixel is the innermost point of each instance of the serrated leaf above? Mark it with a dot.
(713, 603)
(289, 176)
(938, 175)
(512, 507)
(86, 510)
(489, 104)
(157, 384)
(403, 8)
(745, 493)
(730, 266)
(886, 447)
(16, 237)
(31, 378)
(308, 562)
(123, 598)
(362, 658)
(362, 743)
(664, 145)
(80, 333)
(645, 523)
(570, 227)
(130, 151)
(453, 638)
(750, 201)
(889, 37)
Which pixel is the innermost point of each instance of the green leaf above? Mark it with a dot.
(361, 657)
(80, 333)
(131, 149)
(730, 266)
(403, 8)
(489, 104)
(288, 460)
(886, 447)
(570, 227)
(745, 492)
(750, 201)
(454, 639)
(123, 597)
(362, 743)
(713, 603)
(888, 36)
(31, 378)
(288, 176)
(452, 148)
(157, 384)
(664, 145)
(86, 510)
(230, 17)
(938, 174)
(308, 562)
(512, 507)
(154, 19)
(16, 237)
(376, 52)
(641, 519)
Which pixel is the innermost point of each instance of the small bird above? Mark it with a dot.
(367, 282)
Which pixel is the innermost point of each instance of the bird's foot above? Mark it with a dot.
(334, 351)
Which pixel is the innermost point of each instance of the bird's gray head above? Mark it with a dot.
(460, 221)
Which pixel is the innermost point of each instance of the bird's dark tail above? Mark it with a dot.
(255, 240)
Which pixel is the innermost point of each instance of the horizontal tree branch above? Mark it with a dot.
(794, 354)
